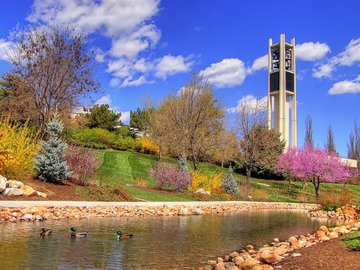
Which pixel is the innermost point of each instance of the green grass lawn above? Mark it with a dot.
(126, 167)
(352, 241)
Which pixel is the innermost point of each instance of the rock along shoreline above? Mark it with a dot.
(19, 211)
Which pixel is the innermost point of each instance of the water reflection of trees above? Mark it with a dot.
(168, 242)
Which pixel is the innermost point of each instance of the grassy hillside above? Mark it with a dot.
(127, 168)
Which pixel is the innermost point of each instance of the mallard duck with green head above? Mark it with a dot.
(74, 233)
(121, 236)
(45, 232)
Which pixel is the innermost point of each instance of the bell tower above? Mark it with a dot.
(281, 101)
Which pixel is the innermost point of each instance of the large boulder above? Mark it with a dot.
(41, 194)
(324, 229)
(270, 257)
(3, 182)
(294, 242)
(332, 235)
(12, 192)
(319, 234)
(28, 191)
(249, 263)
(14, 184)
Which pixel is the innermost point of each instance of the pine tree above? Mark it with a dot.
(229, 183)
(50, 164)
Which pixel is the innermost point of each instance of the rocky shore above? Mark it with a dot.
(267, 257)
(50, 212)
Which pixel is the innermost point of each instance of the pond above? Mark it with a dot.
(181, 242)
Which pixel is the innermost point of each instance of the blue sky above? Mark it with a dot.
(149, 48)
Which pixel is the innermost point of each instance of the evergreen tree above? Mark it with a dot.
(229, 183)
(330, 145)
(101, 116)
(309, 141)
(50, 164)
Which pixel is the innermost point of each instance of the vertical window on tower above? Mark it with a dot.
(288, 59)
(275, 57)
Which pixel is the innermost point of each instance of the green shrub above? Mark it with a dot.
(94, 138)
(124, 143)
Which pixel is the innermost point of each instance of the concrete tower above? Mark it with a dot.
(282, 90)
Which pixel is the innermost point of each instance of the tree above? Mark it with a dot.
(50, 164)
(314, 165)
(226, 149)
(354, 143)
(15, 101)
(330, 145)
(191, 120)
(54, 68)
(309, 141)
(262, 148)
(101, 116)
(140, 118)
(257, 144)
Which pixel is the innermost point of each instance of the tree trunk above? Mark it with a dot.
(316, 183)
(222, 163)
(195, 162)
(248, 173)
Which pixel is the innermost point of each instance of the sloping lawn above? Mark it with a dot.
(126, 168)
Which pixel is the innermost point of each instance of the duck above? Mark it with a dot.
(120, 235)
(77, 234)
(45, 232)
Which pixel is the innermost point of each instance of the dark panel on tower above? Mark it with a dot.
(290, 81)
(274, 82)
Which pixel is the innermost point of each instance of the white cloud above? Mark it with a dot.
(324, 70)
(250, 103)
(4, 47)
(259, 63)
(346, 87)
(169, 65)
(310, 51)
(227, 73)
(104, 100)
(135, 82)
(349, 57)
(125, 117)
(127, 23)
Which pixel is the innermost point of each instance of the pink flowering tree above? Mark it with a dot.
(313, 165)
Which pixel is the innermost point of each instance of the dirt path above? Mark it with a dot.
(330, 255)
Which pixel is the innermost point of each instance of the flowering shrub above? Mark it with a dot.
(170, 177)
(18, 147)
(147, 146)
(82, 164)
(208, 182)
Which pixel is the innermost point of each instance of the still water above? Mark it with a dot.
(183, 242)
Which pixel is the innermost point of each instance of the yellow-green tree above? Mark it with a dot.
(188, 123)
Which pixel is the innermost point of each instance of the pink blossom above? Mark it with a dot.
(315, 165)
